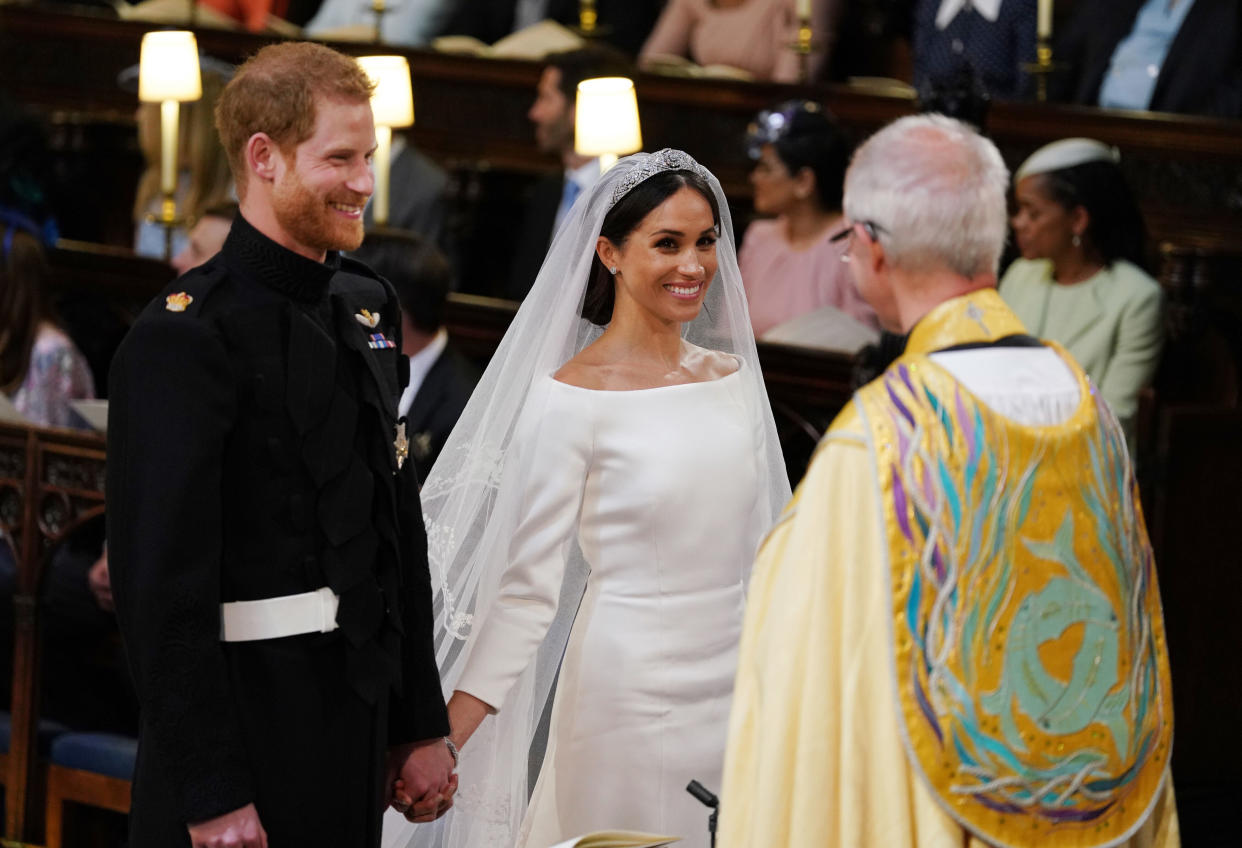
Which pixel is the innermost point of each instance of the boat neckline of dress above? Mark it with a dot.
(731, 374)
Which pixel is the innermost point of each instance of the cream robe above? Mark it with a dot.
(815, 757)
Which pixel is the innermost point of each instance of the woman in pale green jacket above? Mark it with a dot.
(1080, 280)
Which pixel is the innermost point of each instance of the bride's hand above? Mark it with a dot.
(466, 713)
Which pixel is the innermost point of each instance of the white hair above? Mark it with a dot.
(935, 189)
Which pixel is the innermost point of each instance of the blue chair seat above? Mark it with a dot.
(48, 731)
(101, 753)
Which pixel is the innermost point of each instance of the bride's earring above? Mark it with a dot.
(613, 270)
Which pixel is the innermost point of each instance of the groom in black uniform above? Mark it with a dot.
(267, 547)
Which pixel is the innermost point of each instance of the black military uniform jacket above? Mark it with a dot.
(251, 455)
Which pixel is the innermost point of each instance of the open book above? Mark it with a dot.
(532, 42)
(618, 839)
(9, 413)
(671, 65)
(93, 412)
(826, 328)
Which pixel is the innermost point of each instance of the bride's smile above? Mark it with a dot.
(666, 265)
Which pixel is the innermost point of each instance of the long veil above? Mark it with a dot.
(469, 523)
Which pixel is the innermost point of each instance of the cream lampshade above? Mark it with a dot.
(392, 103)
(606, 119)
(168, 68)
(168, 75)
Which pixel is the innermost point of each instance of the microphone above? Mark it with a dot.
(700, 792)
(707, 799)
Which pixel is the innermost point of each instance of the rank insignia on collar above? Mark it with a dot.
(378, 341)
(367, 318)
(178, 302)
(401, 445)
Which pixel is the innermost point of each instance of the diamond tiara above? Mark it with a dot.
(667, 159)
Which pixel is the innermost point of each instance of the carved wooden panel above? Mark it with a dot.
(14, 459)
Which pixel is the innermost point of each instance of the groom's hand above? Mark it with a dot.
(238, 829)
(424, 771)
(426, 809)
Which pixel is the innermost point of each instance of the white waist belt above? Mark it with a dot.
(272, 618)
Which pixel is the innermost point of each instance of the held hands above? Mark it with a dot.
(422, 780)
(416, 794)
(238, 829)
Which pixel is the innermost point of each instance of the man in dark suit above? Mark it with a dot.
(266, 544)
(1162, 55)
(441, 379)
(551, 197)
(418, 201)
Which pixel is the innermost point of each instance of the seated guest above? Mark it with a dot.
(418, 199)
(553, 113)
(441, 379)
(85, 682)
(412, 23)
(41, 369)
(252, 14)
(624, 24)
(753, 35)
(790, 265)
(1080, 280)
(989, 38)
(206, 237)
(1163, 55)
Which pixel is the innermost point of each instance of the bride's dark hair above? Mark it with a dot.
(622, 219)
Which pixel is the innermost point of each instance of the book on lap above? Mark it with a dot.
(93, 412)
(618, 839)
(9, 413)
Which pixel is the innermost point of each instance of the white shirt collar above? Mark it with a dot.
(584, 175)
(420, 366)
(990, 9)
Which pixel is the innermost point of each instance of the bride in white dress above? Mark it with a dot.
(597, 509)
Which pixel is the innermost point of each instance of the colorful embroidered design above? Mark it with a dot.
(178, 302)
(1032, 674)
(378, 341)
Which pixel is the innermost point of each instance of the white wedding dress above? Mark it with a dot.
(660, 487)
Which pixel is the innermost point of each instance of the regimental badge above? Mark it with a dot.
(401, 445)
(178, 302)
(378, 341)
(367, 318)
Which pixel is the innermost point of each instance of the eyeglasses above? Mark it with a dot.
(871, 228)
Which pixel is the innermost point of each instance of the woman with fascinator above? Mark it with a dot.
(1081, 279)
(596, 511)
(791, 266)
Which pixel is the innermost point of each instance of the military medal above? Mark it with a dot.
(178, 302)
(367, 318)
(401, 445)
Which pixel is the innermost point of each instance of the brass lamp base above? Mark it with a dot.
(804, 45)
(168, 219)
(1042, 68)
